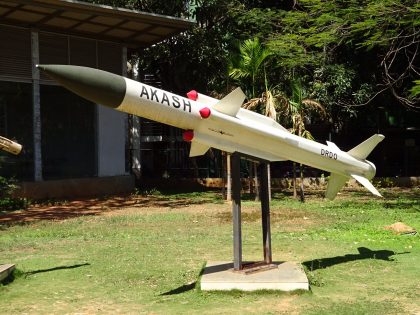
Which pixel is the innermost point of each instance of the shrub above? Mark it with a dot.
(7, 201)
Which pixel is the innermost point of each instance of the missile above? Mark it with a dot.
(220, 124)
(10, 146)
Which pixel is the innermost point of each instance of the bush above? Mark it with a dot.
(7, 201)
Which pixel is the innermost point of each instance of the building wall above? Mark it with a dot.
(64, 136)
(111, 128)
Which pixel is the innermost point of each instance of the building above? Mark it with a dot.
(71, 147)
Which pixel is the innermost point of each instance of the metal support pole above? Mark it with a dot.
(265, 212)
(236, 211)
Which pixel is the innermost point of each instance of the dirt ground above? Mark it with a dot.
(71, 209)
(61, 210)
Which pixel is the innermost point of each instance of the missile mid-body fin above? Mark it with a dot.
(231, 103)
(332, 145)
(198, 149)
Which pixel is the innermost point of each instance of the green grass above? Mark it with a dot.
(148, 259)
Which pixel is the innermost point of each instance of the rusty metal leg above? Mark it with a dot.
(236, 211)
(265, 212)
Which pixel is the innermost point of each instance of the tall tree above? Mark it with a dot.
(300, 110)
(247, 68)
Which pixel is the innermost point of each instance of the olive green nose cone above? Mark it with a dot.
(98, 86)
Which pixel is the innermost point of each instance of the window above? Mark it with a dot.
(68, 134)
(16, 124)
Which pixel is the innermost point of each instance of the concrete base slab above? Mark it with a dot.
(288, 276)
(6, 270)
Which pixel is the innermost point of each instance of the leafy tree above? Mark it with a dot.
(415, 90)
(393, 29)
(375, 42)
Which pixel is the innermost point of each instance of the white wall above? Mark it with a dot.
(111, 127)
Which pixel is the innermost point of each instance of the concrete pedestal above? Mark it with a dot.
(288, 276)
(6, 270)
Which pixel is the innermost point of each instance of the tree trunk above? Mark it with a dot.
(294, 181)
(251, 178)
(256, 183)
(301, 191)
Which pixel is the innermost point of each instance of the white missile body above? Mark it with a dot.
(220, 124)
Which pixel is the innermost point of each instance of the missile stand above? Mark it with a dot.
(238, 264)
(251, 276)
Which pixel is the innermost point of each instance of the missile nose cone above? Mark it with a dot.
(205, 112)
(188, 135)
(98, 86)
(192, 95)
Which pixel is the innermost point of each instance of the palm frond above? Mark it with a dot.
(307, 135)
(253, 103)
(315, 105)
(270, 105)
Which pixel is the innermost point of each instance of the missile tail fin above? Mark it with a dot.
(231, 103)
(362, 150)
(367, 184)
(198, 149)
(335, 183)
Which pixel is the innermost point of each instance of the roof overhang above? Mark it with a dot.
(133, 28)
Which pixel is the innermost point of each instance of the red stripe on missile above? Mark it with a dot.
(205, 112)
(192, 95)
(188, 135)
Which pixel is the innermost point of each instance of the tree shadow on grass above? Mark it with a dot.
(30, 273)
(364, 253)
(17, 273)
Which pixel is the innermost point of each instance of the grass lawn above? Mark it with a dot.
(144, 254)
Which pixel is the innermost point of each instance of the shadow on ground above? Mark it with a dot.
(60, 210)
(364, 253)
(30, 273)
(18, 273)
(186, 287)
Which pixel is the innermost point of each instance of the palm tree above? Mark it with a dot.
(245, 67)
(300, 109)
(269, 101)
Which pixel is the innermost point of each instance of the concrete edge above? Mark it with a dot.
(219, 276)
(6, 270)
(76, 187)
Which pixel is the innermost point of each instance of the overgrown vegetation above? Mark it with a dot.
(147, 257)
(7, 200)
